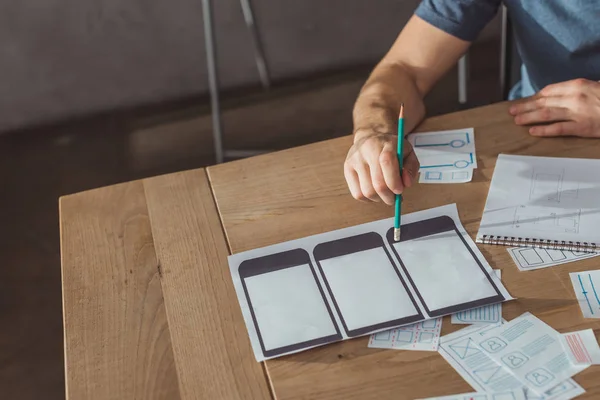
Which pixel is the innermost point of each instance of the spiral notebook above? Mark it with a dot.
(547, 202)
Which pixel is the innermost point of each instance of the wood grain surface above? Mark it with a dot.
(212, 352)
(124, 246)
(300, 192)
(117, 343)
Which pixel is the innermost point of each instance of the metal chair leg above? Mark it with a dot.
(259, 55)
(462, 80)
(213, 79)
(505, 55)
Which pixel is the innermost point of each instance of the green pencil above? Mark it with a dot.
(398, 216)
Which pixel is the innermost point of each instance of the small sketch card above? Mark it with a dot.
(357, 281)
(582, 347)
(445, 150)
(530, 258)
(424, 336)
(586, 285)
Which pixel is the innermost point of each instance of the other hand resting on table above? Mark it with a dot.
(570, 108)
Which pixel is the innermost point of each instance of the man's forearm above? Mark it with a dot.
(376, 108)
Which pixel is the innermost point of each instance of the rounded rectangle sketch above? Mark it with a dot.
(404, 336)
(539, 377)
(493, 344)
(426, 337)
(460, 175)
(433, 175)
(515, 360)
(270, 305)
(385, 335)
(360, 274)
(531, 256)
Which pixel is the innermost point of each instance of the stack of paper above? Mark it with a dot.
(523, 354)
(445, 156)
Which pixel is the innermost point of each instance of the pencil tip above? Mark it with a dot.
(401, 110)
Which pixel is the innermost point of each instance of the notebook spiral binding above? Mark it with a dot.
(583, 247)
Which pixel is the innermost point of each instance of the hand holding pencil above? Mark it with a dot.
(372, 169)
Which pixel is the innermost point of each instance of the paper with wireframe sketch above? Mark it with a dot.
(445, 150)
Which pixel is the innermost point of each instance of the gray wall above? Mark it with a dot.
(65, 58)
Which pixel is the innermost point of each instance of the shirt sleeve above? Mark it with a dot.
(461, 18)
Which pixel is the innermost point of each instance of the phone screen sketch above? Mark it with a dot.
(365, 286)
(287, 303)
(444, 271)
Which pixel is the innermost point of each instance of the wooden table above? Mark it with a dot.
(150, 310)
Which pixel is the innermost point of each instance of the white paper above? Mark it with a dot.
(445, 150)
(422, 336)
(582, 347)
(587, 290)
(289, 290)
(366, 288)
(531, 351)
(434, 176)
(485, 315)
(366, 293)
(545, 198)
(440, 286)
(529, 258)
(506, 395)
(460, 350)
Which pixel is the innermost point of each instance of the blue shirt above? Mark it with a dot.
(558, 40)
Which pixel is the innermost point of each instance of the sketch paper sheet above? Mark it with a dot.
(491, 314)
(581, 346)
(460, 350)
(506, 395)
(445, 150)
(357, 281)
(529, 258)
(587, 291)
(543, 198)
(422, 336)
(458, 176)
(531, 351)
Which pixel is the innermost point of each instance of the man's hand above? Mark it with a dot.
(569, 108)
(372, 171)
